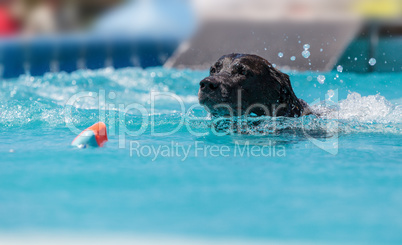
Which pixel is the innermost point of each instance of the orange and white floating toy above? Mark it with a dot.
(94, 136)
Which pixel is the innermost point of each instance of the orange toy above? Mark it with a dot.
(94, 136)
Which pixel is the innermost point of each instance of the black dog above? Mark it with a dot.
(245, 84)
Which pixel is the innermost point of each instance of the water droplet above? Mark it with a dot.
(299, 41)
(292, 58)
(321, 79)
(280, 54)
(372, 61)
(321, 50)
(265, 48)
(306, 46)
(309, 78)
(339, 68)
(306, 54)
(273, 65)
(355, 58)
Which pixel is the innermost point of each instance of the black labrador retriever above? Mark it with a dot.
(246, 84)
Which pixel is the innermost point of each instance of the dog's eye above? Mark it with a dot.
(212, 70)
(243, 71)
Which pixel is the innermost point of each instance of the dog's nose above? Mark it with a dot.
(208, 84)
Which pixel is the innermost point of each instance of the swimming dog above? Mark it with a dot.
(246, 84)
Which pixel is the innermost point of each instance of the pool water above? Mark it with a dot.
(344, 187)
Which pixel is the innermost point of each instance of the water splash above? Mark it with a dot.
(366, 109)
(32, 102)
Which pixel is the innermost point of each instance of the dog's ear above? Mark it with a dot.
(293, 106)
(287, 95)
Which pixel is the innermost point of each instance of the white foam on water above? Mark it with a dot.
(368, 109)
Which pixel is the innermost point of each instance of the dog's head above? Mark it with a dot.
(242, 84)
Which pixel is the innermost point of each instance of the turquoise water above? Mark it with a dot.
(349, 190)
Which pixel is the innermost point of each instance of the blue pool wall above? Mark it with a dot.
(40, 55)
(387, 52)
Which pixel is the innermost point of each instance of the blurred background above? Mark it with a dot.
(38, 36)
